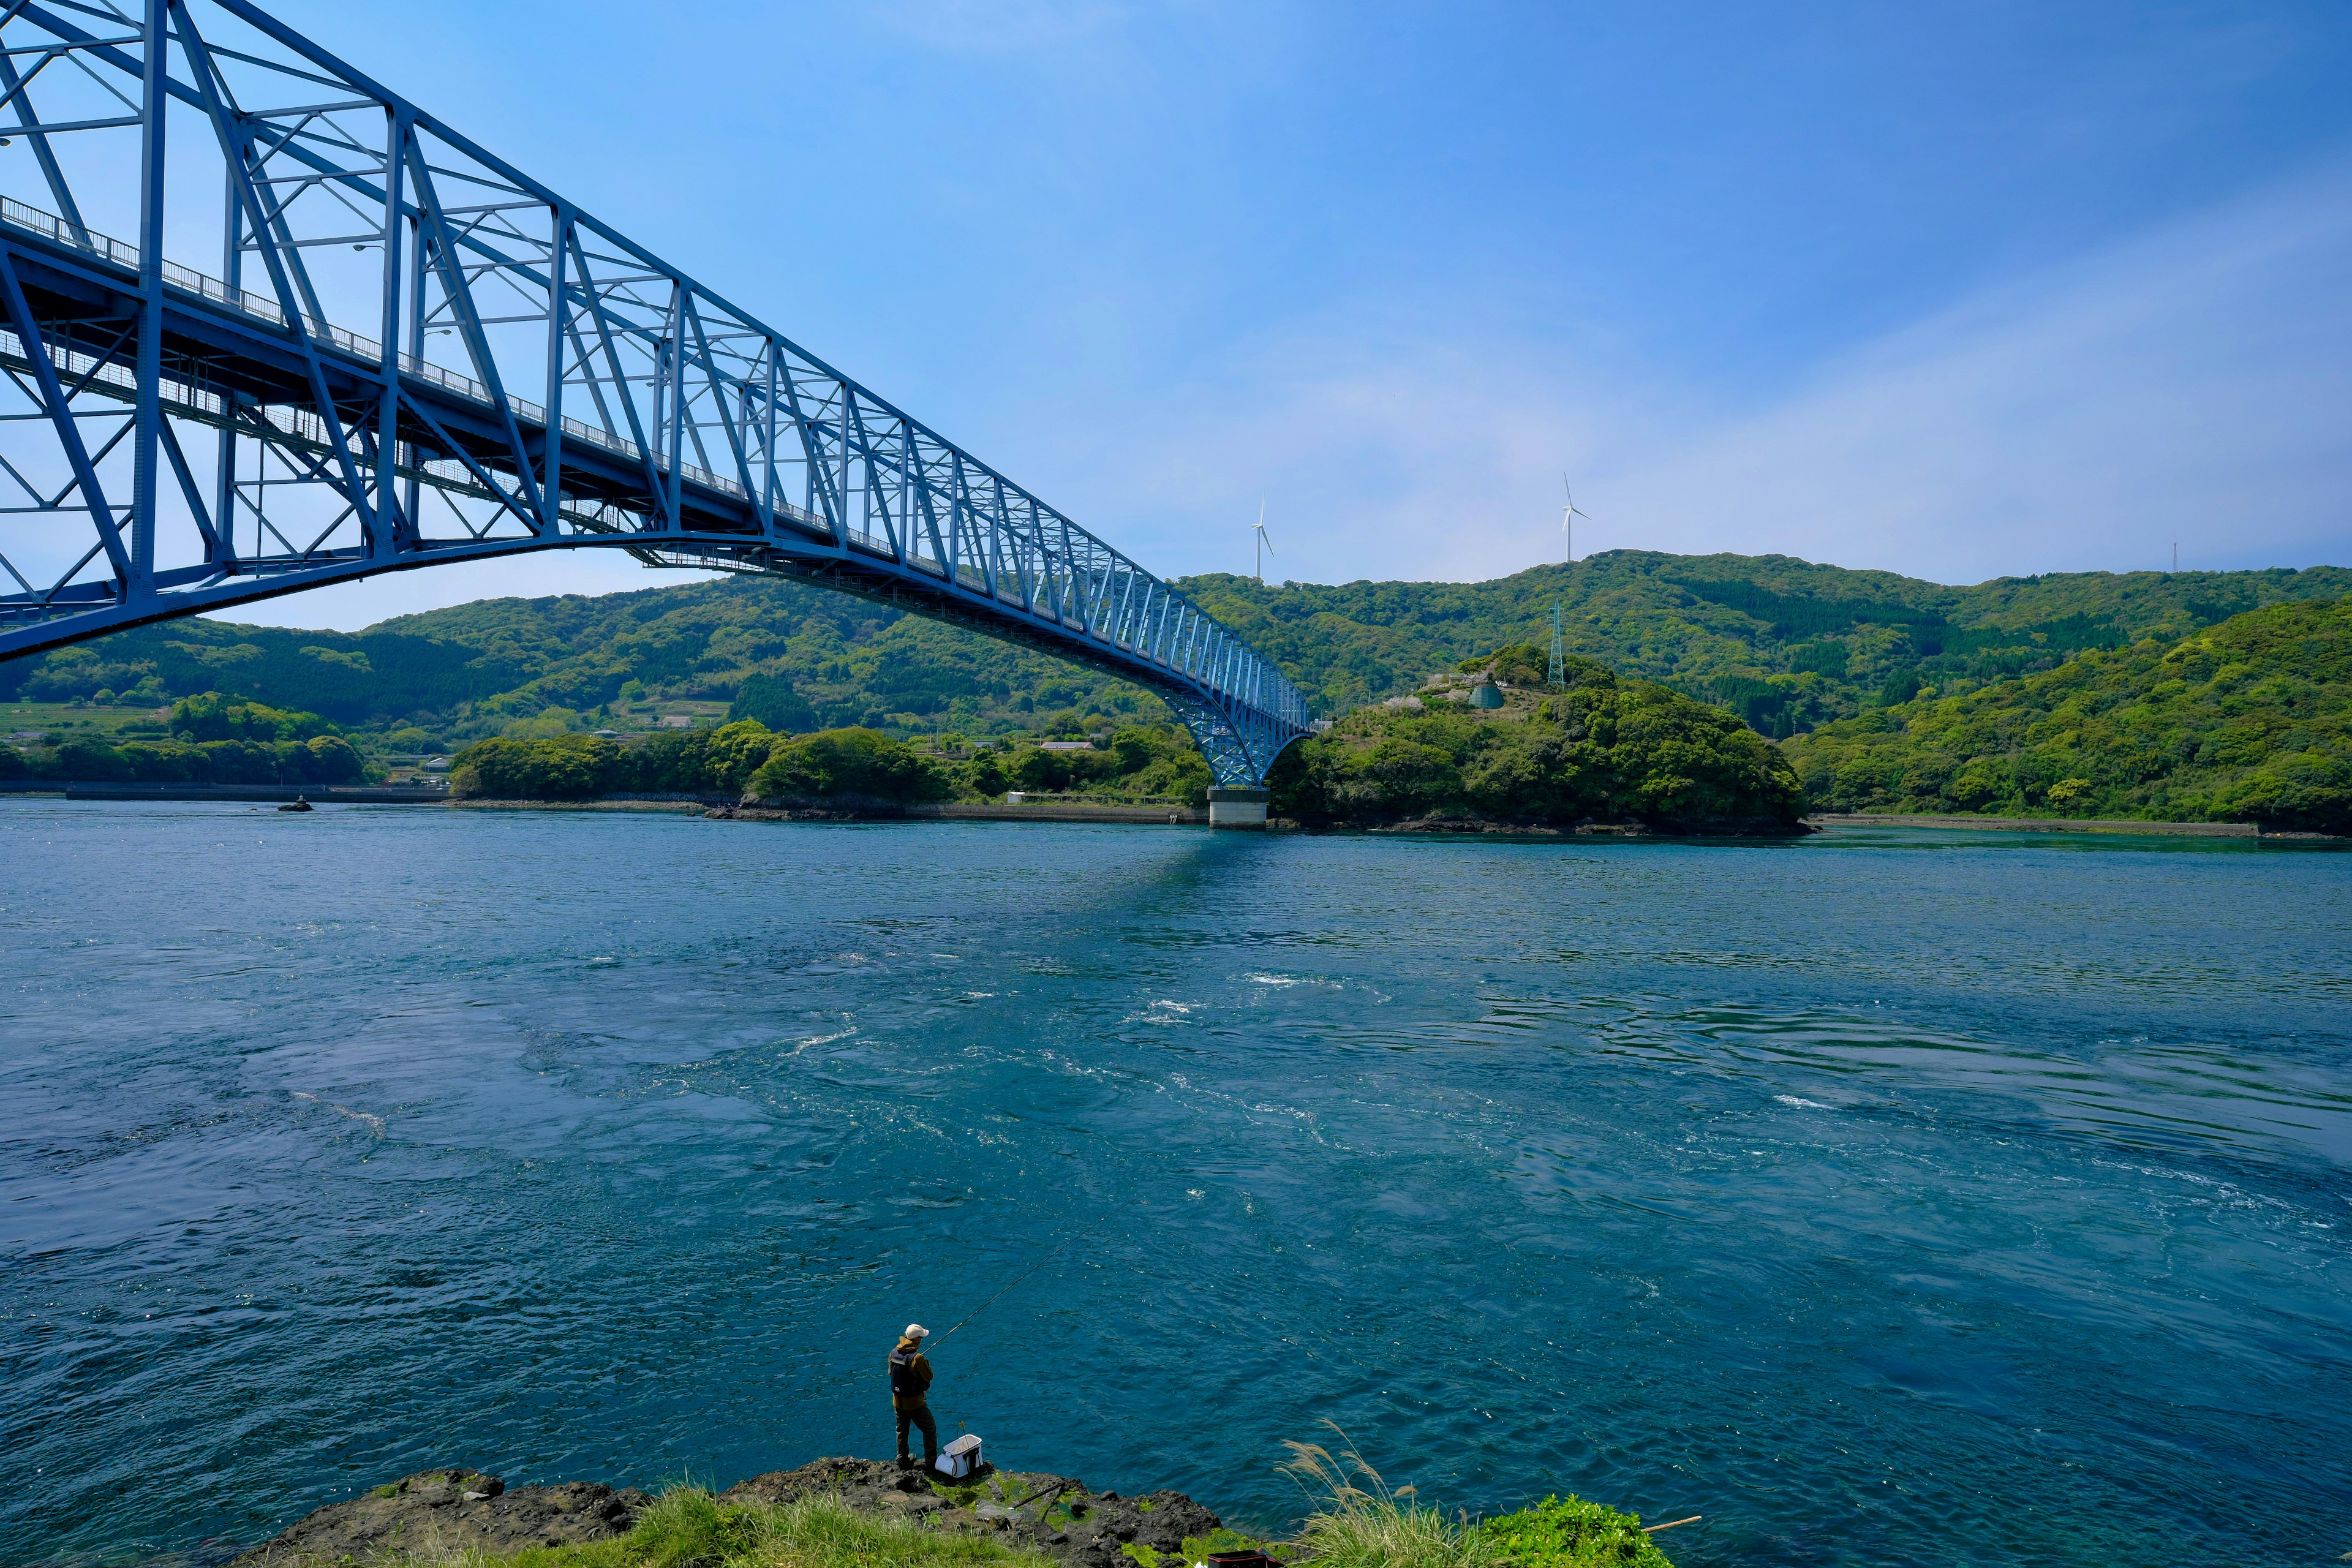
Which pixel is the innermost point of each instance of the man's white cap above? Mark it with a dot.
(915, 1331)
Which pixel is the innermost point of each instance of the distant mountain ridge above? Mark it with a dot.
(1787, 644)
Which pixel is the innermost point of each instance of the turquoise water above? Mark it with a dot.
(1889, 1198)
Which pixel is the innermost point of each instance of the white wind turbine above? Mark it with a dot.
(1568, 514)
(1264, 543)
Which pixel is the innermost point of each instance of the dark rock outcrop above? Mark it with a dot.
(866, 1484)
(1724, 827)
(1053, 1514)
(458, 1510)
(452, 1509)
(1163, 1521)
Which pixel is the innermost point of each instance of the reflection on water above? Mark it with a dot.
(1890, 1198)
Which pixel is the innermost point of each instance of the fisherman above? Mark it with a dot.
(910, 1378)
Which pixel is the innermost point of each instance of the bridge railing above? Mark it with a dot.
(262, 307)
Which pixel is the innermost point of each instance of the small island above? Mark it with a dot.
(1494, 745)
(1497, 745)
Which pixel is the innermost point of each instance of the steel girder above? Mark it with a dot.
(174, 442)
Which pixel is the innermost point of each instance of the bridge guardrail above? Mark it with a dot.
(124, 255)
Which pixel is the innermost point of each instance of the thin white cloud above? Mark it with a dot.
(2191, 386)
(2188, 386)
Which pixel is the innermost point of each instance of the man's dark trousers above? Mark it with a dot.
(920, 1416)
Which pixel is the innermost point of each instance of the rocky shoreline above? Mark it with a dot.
(1755, 827)
(456, 1510)
(1443, 822)
(863, 810)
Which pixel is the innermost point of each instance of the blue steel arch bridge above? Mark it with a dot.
(409, 353)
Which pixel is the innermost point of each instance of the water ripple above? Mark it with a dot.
(1890, 1199)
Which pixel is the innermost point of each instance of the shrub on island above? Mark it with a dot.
(742, 758)
(1141, 760)
(216, 739)
(556, 767)
(215, 717)
(856, 764)
(1598, 750)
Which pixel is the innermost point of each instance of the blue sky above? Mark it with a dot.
(1957, 290)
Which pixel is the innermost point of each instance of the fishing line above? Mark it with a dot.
(1025, 1274)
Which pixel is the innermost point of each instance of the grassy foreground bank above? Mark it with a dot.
(1352, 1526)
(690, 1528)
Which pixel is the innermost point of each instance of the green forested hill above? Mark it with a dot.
(349, 678)
(476, 669)
(2248, 720)
(1787, 645)
(850, 662)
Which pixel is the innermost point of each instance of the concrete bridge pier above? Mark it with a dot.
(1237, 807)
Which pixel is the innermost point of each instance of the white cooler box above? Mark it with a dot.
(960, 1458)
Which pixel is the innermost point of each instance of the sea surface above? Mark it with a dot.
(1895, 1197)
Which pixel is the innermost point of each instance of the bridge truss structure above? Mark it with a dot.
(175, 441)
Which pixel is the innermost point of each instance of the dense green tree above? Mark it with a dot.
(737, 751)
(670, 762)
(1157, 761)
(2247, 720)
(1518, 664)
(741, 759)
(321, 759)
(855, 762)
(1599, 749)
(983, 775)
(771, 699)
(576, 767)
(349, 679)
(566, 767)
(92, 760)
(177, 761)
(212, 716)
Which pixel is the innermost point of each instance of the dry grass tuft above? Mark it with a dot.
(1361, 1523)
